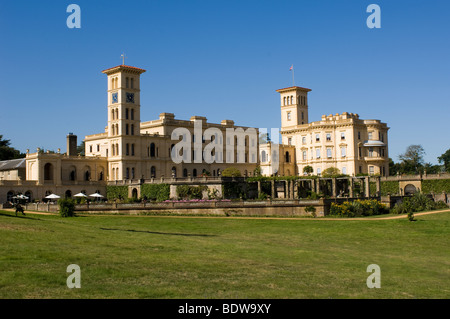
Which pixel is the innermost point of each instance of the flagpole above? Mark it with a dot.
(293, 81)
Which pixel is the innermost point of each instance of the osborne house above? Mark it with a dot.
(134, 151)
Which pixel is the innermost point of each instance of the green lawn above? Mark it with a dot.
(162, 257)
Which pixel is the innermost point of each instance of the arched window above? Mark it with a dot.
(87, 175)
(153, 172)
(263, 156)
(152, 150)
(284, 101)
(113, 173)
(48, 172)
(117, 114)
(113, 129)
(72, 175)
(112, 115)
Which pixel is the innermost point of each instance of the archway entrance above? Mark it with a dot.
(134, 193)
(410, 189)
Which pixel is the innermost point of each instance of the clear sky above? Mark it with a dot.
(224, 60)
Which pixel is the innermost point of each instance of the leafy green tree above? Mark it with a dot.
(412, 159)
(445, 159)
(81, 148)
(7, 152)
(264, 138)
(331, 171)
(231, 172)
(308, 169)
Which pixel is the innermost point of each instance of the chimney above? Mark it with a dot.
(71, 145)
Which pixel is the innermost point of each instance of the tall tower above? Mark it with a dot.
(124, 118)
(294, 106)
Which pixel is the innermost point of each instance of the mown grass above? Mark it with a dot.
(162, 257)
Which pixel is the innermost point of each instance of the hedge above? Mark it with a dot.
(116, 192)
(158, 192)
(436, 186)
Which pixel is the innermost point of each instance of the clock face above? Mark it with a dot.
(130, 97)
(115, 98)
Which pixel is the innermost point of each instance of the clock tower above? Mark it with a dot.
(124, 117)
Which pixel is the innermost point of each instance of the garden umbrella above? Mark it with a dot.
(52, 196)
(79, 195)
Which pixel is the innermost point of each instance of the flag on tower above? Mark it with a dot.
(291, 68)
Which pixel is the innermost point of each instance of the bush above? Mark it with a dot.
(66, 207)
(417, 203)
(156, 192)
(190, 192)
(231, 172)
(358, 207)
(311, 209)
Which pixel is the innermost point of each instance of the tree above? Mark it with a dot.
(80, 149)
(331, 171)
(264, 138)
(308, 169)
(445, 159)
(394, 168)
(7, 152)
(231, 172)
(412, 159)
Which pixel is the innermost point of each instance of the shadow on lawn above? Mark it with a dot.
(158, 233)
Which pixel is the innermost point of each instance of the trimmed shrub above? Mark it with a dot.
(66, 207)
(116, 192)
(156, 192)
(358, 207)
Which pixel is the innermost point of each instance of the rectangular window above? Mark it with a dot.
(98, 147)
(343, 151)
(371, 170)
(319, 171)
(132, 173)
(328, 137)
(342, 136)
(127, 83)
(303, 116)
(360, 169)
(317, 152)
(329, 152)
(370, 151)
(359, 135)
(370, 136)
(90, 148)
(128, 173)
(344, 170)
(304, 155)
(317, 137)
(304, 140)
(289, 140)
(127, 150)
(382, 152)
(132, 149)
(126, 114)
(288, 116)
(359, 152)
(126, 129)
(132, 114)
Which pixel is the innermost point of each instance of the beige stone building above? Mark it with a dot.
(131, 151)
(344, 141)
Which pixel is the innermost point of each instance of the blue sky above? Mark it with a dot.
(224, 60)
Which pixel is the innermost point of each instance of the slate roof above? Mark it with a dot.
(12, 164)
